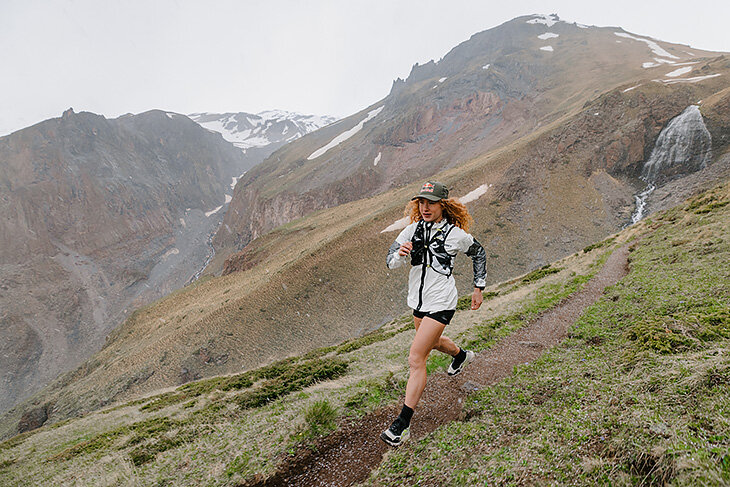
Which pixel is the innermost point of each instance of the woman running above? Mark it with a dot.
(438, 230)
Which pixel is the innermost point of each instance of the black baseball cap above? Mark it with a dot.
(433, 191)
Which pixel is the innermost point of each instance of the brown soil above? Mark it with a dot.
(348, 455)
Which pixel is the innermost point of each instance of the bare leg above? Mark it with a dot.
(428, 335)
(445, 344)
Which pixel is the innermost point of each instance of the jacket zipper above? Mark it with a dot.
(424, 265)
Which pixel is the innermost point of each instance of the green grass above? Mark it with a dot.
(639, 394)
(598, 245)
(294, 379)
(540, 273)
(320, 418)
(375, 392)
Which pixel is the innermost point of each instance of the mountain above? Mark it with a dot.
(272, 127)
(549, 161)
(258, 135)
(498, 86)
(98, 217)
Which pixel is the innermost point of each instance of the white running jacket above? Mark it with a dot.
(431, 285)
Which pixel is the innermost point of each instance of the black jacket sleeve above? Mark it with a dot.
(479, 261)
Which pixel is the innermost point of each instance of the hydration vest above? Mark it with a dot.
(429, 248)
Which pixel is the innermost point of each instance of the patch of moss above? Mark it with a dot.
(293, 379)
(540, 273)
(598, 245)
(655, 336)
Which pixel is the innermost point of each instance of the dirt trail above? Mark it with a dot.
(349, 455)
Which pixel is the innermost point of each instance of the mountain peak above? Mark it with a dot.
(248, 130)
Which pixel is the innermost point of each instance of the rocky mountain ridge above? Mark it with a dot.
(98, 217)
(270, 127)
(499, 85)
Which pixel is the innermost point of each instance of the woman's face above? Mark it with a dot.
(431, 211)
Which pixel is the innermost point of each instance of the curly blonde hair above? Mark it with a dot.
(454, 212)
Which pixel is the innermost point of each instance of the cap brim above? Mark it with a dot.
(427, 196)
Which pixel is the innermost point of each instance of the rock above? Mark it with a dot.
(33, 419)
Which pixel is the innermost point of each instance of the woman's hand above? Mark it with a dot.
(476, 298)
(405, 249)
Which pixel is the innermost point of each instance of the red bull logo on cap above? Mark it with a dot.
(427, 188)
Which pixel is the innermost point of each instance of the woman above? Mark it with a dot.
(438, 230)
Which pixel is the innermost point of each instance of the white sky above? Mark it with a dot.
(317, 56)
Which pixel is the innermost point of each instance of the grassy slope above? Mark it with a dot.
(219, 431)
(639, 394)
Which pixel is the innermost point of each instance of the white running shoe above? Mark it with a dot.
(455, 368)
(397, 433)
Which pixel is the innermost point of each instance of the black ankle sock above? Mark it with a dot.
(406, 413)
(459, 357)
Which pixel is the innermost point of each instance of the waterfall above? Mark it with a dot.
(683, 146)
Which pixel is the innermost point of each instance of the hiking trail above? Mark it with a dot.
(348, 455)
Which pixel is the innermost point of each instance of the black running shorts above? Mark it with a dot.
(443, 317)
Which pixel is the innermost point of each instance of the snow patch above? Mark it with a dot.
(655, 48)
(216, 210)
(657, 62)
(582, 26)
(629, 89)
(486, 66)
(398, 225)
(377, 159)
(547, 48)
(441, 80)
(547, 35)
(678, 72)
(475, 194)
(235, 179)
(548, 20)
(169, 115)
(345, 135)
(688, 80)
(228, 198)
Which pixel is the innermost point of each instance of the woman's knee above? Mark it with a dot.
(416, 360)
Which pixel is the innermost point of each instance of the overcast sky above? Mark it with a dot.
(317, 57)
